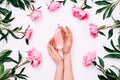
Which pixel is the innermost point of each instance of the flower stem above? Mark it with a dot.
(25, 62)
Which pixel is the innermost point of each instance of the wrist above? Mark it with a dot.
(66, 55)
(59, 63)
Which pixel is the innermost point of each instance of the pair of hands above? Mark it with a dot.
(67, 38)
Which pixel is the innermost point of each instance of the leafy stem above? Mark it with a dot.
(5, 28)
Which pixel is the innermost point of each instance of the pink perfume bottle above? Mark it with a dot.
(58, 38)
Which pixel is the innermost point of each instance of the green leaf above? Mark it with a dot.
(114, 46)
(119, 40)
(27, 41)
(7, 18)
(101, 77)
(1, 1)
(14, 36)
(102, 2)
(4, 11)
(5, 24)
(113, 6)
(4, 36)
(5, 53)
(75, 1)
(7, 59)
(106, 12)
(27, 3)
(22, 70)
(17, 29)
(108, 49)
(112, 56)
(8, 15)
(101, 33)
(21, 76)
(101, 9)
(111, 75)
(116, 21)
(94, 63)
(87, 7)
(5, 73)
(101, 62)
(1, 68)
(109, 10)
(20, 57)
(13, 2)
(63, 2)
(21, 5)
(110, 33)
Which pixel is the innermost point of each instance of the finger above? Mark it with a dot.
(64, 32)
(49, 42)
(68, 30)
(49, 50)
(54, 44)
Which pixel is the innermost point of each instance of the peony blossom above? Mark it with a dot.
(89, 58)
(58, 38)
(28, 34)
(54, 6)
(79, 13)
(34, 57)
(93, 30)
(35, 15)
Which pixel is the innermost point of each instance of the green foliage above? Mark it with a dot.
(118, 41)
(110, 33)
(107, 73)
(101, 33)
(113, 51)
(4, 11)
(6, 73)
(112, 55)
(75, 1)
(107, 7)
(20, 3)
(101, 62)
(27, 41)
(86, 6)
(101, 77)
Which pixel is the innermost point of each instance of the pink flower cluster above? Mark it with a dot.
(89, 58)
(28, 34)
(93, 30)
(34, 57)
(79, 13)
(54, 6)
(36, 14)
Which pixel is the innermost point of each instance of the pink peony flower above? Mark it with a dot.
(54, 6)
(28, 34)
(79, 13)
(34, 57)
(93, 30)
(58, 38)
(35, 15)
(89, 58)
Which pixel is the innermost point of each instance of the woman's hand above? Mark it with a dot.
(53, 52)
(68, 39)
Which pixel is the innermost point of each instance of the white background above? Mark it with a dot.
(44, 29)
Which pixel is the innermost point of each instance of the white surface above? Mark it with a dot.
(44, 29)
